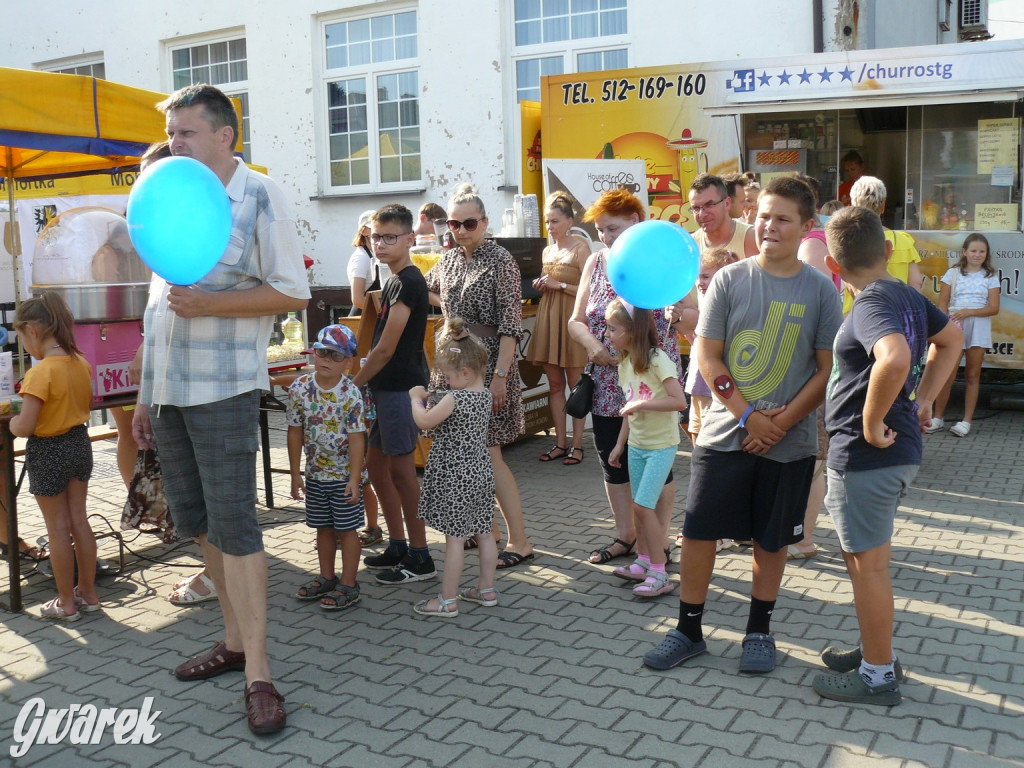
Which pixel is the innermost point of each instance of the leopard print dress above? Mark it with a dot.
(457, 497)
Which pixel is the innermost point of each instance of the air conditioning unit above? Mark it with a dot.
(974, 20)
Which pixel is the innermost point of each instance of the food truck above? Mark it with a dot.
(940, 125)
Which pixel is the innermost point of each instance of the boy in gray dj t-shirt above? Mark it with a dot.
(764, 344)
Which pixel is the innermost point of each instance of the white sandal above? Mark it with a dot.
(960, 429)
(184, 593)
(474, 595)
(53, 610)
(444, 609)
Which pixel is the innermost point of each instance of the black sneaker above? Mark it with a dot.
(386, 560)
(408, 570)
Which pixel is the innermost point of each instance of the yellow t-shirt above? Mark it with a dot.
(650, 430)
(904, 253)
(64, 384)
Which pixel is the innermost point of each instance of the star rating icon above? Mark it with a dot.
(825, 75)
(784, 78)
(847, 73)
(805, 76)
(764, 78)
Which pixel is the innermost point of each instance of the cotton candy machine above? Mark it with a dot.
(86, 256)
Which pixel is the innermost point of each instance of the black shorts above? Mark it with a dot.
(54, 461)
(606, 434)
(739, 495)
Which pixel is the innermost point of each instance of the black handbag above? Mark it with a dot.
(581, 398)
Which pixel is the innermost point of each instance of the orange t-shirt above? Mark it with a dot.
(64, 384)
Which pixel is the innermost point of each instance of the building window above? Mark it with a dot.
(90, 70)
(595, 61)
(552, 21)
(595, 31)
(371, 81)
(222, 63)
(89, 64)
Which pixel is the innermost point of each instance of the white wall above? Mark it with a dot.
(466, 110)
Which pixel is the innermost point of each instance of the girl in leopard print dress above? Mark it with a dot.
(457, 497)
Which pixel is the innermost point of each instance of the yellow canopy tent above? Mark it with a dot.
(67, 125)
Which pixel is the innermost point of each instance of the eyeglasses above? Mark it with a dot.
(470, 224)
(388, 239)
(330, 354)
(697, 209)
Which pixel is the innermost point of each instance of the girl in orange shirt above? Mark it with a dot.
(57, 393)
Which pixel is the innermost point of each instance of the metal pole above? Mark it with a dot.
(15, 248)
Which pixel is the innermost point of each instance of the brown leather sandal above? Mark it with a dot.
(213, 662)
(264, 708)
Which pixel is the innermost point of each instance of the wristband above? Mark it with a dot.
(743, 418)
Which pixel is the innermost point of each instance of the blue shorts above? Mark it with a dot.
(863, 504)
(393, 432)
(647, 473)
(606, 435)
(208, 462)
(327, 507)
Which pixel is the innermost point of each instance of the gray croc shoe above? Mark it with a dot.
(673, 651)
(847, 660)
(758, 654)
(850, 687)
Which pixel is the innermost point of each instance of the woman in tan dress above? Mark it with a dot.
(551, 346)
(479, 281)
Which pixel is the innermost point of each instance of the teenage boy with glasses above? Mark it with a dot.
(394, 365)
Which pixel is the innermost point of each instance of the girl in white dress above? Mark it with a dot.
(970, 294)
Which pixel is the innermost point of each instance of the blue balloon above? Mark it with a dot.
(653, 264)
(179, 219)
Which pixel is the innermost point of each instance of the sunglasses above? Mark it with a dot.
(470, 224)
(330, 354)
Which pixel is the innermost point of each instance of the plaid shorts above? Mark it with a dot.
(208, 459)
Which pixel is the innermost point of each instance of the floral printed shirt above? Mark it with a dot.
(327, 417)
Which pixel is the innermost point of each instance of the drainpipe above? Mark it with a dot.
(817, 13)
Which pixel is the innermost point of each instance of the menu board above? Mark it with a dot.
(997, 143)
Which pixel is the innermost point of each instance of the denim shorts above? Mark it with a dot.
(863, 504)
(393, 431)
(208, 460)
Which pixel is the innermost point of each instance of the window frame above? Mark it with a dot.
(370, 73)
(238, 89)
(63, 66)
(569, 50)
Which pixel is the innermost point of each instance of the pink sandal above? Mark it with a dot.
(83, 606)
(53, 610)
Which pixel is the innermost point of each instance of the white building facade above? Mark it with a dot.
(351, 105)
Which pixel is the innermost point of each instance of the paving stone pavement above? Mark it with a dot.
(553, 677)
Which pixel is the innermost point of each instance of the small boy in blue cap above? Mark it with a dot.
(325, 419)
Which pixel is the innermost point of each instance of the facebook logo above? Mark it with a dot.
(743, 80)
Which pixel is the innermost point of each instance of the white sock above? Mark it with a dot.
(876, 675)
